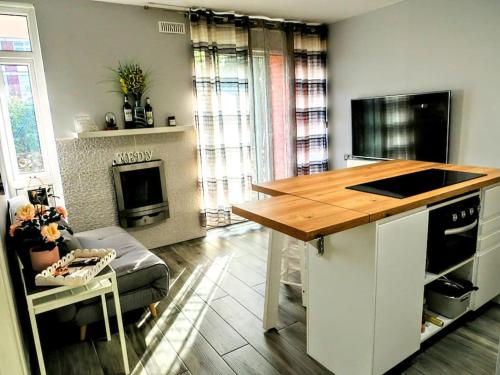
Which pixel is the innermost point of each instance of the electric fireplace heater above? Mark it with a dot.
(140, 193)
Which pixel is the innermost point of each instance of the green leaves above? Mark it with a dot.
(132, 79)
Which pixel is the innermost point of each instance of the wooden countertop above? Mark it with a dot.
(305, 207)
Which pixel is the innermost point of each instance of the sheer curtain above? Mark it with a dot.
(260, 106)
(273, 99)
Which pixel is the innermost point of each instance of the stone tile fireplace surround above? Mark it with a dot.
(89, 193)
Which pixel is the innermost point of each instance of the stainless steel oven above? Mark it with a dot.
(141, 193)
(453, 229)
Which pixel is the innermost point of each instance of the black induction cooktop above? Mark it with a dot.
(410, 184)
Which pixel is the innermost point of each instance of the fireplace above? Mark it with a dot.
(140, 193)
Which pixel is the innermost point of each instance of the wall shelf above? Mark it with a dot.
(430, 277)
(126, 132)
(431, 329)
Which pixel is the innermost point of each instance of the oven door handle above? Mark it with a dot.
(449, 232)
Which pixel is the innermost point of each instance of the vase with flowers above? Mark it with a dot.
(133, 81)
(37, 230)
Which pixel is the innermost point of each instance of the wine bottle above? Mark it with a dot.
(127, 113)
(149, 113)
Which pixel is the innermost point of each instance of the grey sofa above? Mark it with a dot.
(143, 278)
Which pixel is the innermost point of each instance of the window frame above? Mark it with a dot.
(33, 59)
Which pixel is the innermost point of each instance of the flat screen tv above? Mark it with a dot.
(412, 126)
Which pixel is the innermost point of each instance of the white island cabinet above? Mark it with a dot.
(366, 293)
(365, 267)
(487, 264)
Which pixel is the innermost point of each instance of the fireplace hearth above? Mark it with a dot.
(141, 193)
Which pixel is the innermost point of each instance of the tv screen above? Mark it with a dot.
(414, 126)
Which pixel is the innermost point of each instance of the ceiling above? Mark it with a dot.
(326, 11)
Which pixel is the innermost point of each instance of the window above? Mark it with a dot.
(23, 124)
(27, 139)
(14, 34)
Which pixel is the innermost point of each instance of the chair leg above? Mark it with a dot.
(83, 332)
(152, 309)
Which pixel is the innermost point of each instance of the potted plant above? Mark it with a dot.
(133, 81)
(37, 230)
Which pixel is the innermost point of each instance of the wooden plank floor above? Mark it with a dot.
(211, 323)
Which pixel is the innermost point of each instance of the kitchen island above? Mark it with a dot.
(365, 258)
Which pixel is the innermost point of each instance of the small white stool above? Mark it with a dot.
(294, 259)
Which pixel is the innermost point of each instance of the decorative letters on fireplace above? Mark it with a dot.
(133, 157)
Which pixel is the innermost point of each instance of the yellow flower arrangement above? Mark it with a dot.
(123, 86)
(26, 212)
(38, 227)
(132, 80)
(50, 232)
(62, 211)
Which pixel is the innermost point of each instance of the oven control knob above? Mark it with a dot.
(471, 211)
(463, 214)
(454, 217)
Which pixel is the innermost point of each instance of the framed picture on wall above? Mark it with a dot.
(38, 196)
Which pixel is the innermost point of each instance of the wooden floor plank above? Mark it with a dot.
(233, 286)
(242, 270)
(110, 356)
(198, 355)
(275, 349)
(73, 359)
(156, 354)
(482, 327)
(247, 361)
(471, 357)
(250, 270)
(295, 334)
(247, 246)
(428, 364)
(221, 336)
(486, 343)
(192, 275)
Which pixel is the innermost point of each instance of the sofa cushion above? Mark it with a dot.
(109, 237)
(70, 240)
(135, 266)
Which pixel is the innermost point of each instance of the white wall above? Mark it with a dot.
(416, 46)
(11, 342)
(80, 39)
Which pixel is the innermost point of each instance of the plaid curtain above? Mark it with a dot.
(222, 114)
(311, 98)
(260, 106)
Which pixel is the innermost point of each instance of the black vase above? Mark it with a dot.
(139, 115)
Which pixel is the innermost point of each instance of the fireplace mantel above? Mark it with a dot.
(140, 131)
